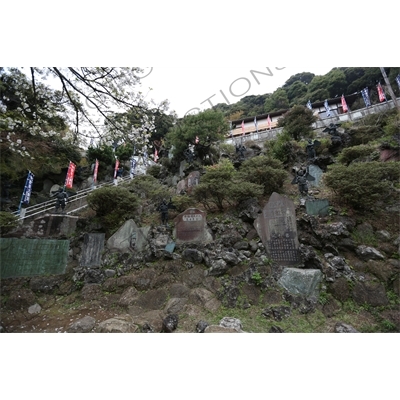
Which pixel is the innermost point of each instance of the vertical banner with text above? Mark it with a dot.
(26, 195)
(116, 168)
(96, 170)
(69, 180)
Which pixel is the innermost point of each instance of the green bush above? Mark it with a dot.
(8, 222)
(297, 122)
(183, 202)
(222, 186)
(148, 187)
(265, 171)
(280, 148)
(113, 206)
(154, 171)
(349, 154)
(362, 184)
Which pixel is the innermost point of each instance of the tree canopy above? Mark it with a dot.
(86, 97)
(200, 130)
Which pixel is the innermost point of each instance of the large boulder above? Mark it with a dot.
(301, 282)
(119, 324)
(370, 292)
(83, 325)
(367, 253)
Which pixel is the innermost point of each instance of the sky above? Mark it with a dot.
(194, 89)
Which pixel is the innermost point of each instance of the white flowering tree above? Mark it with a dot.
(73, 104)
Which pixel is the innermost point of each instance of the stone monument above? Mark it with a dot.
(277, 229)
(129, 237)
(191, 227)
(193, 180)
(93, 246)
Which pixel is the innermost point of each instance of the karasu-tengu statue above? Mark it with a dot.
(301, 179)
(310, 148)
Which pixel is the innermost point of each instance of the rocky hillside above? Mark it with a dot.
(347, 279)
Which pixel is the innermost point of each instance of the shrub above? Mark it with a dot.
(113, 205)
(8, 222)
(265, 171)
(148, 187)
(350, 154)
(297, 122)
(221, 186)
(154, 171)
(183, 202)
(280, 148)
(362, 184)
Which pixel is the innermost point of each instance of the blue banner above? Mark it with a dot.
(365, 96)
(398, 80)
(28, 188)
(328, 110)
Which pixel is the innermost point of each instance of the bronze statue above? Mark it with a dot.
(310, 148)
(301, 179)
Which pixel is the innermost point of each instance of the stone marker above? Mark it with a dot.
(193, 180)
(303, 282)
(129, 237)
(277, 229)
(181, 187)
(317, 207)
(190, 226)
(317, 173)
(93, 246)
(169, 248)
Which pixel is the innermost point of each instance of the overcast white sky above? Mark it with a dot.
(190, 88)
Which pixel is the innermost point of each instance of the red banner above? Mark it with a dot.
(269, 122)
(382, 96)
(344, 105)
(116, 168)
(96, 170)
(69, 180)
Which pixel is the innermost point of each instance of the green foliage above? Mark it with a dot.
(104, 154)
(8, 222)
(362, 184)
(323, 298)
(296, 93)
(113, 206)
(297, 122)
(149, 188)
(222, 186)
(154, 171)
(257, 279)
(265, 171)
(388, 326)
(124, 153)
(209, 126)
(350, 154)
(183, 202)
(281, 147)
(392, 126)
(228, 149)
(277, 101)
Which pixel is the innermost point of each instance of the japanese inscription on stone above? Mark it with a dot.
(190, 226)
(93, 246)
(278, 230)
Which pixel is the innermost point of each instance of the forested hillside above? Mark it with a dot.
(305, 86)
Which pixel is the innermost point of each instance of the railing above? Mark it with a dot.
(75, 203)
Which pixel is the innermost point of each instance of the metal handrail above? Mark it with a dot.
(48, 205)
